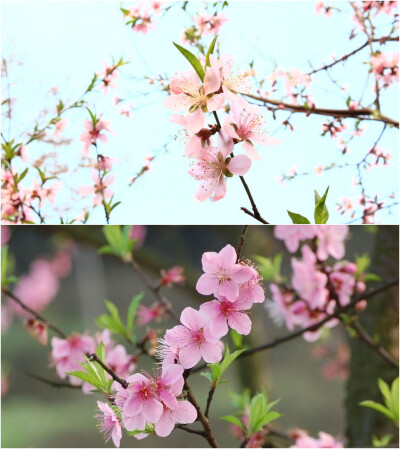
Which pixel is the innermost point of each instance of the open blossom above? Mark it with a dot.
(50, 193)
(138, 402)
(138, 233)
(141, 16)
(303, 440)
(212, 168)
(222, 274)
(252, 290)
(67, 354)
(99, 189)
(222, 314)
(343, 278)
(293, 235)
(331, 241)
(172, 276)
(231, 82)
(93, 132)
(109, 423)
(308, 281)
(209, 24)
(108, 76)
(247, 126)
(189, 93)
(194, 339)
(60, 126)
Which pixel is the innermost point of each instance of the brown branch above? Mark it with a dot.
(348, 55)
(256, 214)
(313, 327)
(208, 433)
(209, 400)
(260, 219)
(372, 344)
(154, 289)
(35, 314)
(50, 382)
(241, 242)
(362, 113)
(189, 430)
(91, 357)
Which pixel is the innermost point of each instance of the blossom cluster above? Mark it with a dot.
(324, 440)
(140, 16)
(316, 289)
(221, 85)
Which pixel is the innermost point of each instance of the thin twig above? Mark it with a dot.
(208, 433)
(372, 344)
(189, 430)
(50, 382)
(35, 314)
(154, 289)
(209, 400)
(260, 219)
(241, 242)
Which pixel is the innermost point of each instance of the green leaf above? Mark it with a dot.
(372, 277)
(362, 263)
(86, 377)
(379, 408)
(210, 51)
(260, 412)
(218, 369)
(381, 442)
(321, 213)
(195, 63)
(297, 218)
(237, 339)
(132, 311)
(207, 375)
(234, 420)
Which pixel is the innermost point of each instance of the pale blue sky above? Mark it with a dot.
(63, 43)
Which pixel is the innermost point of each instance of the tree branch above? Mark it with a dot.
(362, 113)
(50, 382)
(241, 242)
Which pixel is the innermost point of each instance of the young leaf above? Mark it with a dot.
(234, 420)
(321, 213)
(195, 63)
(132, 311)
(297, 218)
(210, 51)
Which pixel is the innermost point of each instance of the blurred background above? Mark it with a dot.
(320, 384)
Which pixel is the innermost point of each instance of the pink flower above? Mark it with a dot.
(147, 314)
(247, 127)
(138, 233)
(343, 279)
(126, 109)
(232, 83)
(308, 281)
(303, 440)
(120, 361)
(169, 385)
(93, 132)
(209, 24)
(194, 339)
(189, 93)
(109, 423)
(108, 77)
(222, 275)
(60, 127)
(293, 235)
(184, 413)
(138, 402)
(222, 313)
(50, 193)
(99, 189)
(252, 290)
(331, 241)
(37, 330)
(37, 288)
(172, 276)
(212, 168)
(67, 354)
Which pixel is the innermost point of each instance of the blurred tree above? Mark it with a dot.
(379, 318)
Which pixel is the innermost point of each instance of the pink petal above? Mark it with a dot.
(189, 356)
(227, 256)
(251, 151)
(207, 284)
(265, 139)
(194, 148)
(212, 82)
(211, 352)
(192, 318)
(171, 374)
(241, 274)
(152, 410)
(196, 121)
(136, 422)
(229, 289)
(133, 405)
(169, 399)
(220, 190)
(165, 425)
(185, 413)
(177, 103)
(240, 322)
(209, 261)
(215, 102)
(239, 165)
